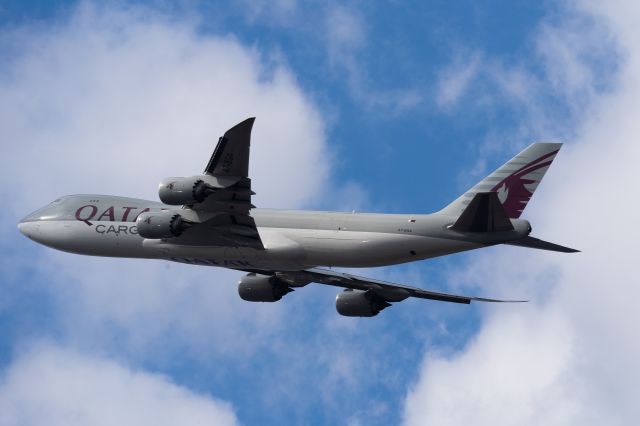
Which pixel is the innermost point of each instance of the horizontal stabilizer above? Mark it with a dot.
(535, 243)
(484, 213)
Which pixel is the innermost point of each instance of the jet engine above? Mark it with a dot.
(185, 190)
(162, 224)
(262, 288)
(357, 303)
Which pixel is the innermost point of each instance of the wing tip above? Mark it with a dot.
(248, 122)
(484, 299)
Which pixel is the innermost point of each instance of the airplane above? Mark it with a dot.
(208, 219)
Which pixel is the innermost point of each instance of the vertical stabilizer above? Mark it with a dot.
(514, 182)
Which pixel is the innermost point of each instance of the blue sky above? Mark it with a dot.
(386, 107)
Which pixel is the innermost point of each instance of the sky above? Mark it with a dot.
(389, 106)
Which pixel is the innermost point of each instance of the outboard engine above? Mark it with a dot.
(262, 288)
(162, 224)
(358, 303)
(185, 190)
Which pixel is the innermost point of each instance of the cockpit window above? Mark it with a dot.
(54, 211)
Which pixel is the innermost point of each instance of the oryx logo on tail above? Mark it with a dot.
(514, 182)
(516, 190)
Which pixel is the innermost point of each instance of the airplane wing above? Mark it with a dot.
(387, 291)
(228, 207)
(230, 163)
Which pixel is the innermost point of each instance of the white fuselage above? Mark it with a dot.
(293, 240)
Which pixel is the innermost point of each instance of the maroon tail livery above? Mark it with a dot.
(514, 182)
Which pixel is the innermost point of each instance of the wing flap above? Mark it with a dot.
(223, 229)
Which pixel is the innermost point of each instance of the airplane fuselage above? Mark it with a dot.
(101, 225)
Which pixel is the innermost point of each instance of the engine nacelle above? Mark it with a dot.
(262, 288)
(162, 224)
(185, 190)
(357, 303)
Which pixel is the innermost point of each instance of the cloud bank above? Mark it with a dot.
(54, 386)
(111, 100)
(570, 357)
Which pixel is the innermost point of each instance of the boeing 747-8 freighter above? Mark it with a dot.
(208, 219)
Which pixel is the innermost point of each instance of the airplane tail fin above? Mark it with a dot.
(514, 182)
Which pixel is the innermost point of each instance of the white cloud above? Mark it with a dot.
(53, 386)
(281, 12)
(571, 356)
(570, 60)
(454, 81)
(345, 32)
(132, 307)
(341, 32)
(111, 100)
(510, 349)
(114, 100)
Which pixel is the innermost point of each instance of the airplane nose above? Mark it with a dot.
(28, 229)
